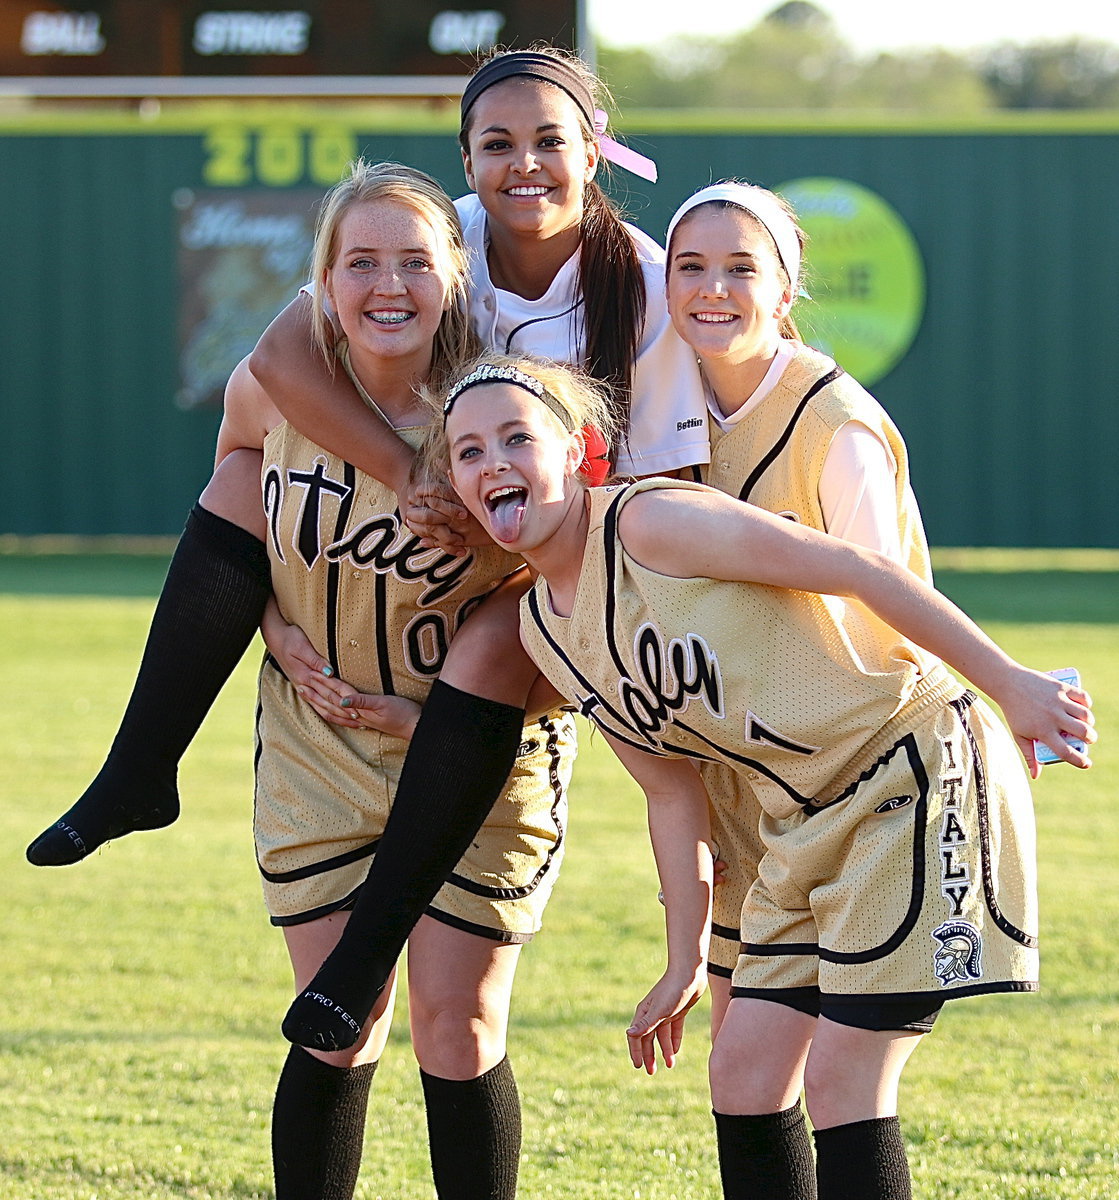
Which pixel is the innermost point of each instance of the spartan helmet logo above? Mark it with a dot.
(958, 957)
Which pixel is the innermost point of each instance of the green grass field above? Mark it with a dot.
(139, 1039)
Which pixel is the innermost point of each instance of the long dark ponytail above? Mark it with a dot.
(613, 288)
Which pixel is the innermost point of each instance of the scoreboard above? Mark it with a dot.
(190, 47)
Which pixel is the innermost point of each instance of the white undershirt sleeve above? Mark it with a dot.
(858, 490)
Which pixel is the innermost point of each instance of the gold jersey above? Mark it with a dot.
(785, 687)
(774, 458)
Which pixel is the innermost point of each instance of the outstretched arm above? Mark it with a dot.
(708, 534)
(680, 830)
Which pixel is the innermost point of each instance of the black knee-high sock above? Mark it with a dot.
(318, 1127)
(474, 1129)
(865, 1160)
(460, 757)
(210, 607)
(766, 1157)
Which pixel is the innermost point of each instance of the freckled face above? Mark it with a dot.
(726, 290)
(512, 462)
(526, 157)
(388, 284)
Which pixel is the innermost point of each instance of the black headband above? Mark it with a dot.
(531, 65)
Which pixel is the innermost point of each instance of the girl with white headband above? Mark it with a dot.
(805, 427)
(898, 828)
(790, 432)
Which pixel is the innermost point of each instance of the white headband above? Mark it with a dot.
(760, 204)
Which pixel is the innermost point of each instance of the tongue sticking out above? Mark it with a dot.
(506, 516)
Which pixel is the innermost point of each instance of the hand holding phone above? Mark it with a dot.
(1044, 753)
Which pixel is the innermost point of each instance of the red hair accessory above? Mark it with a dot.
(596, 466)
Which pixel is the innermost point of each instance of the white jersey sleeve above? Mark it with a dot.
(858, 490)
(668, 421)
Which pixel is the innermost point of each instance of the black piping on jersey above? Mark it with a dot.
(519, 893)
(334, 569)
(908, 743)
(1012, 931)
(539, 321)
(609, 545)
(323, 910)
(975, 989)
(506, 936)
(588, 687)
(644, 747)
(323, 865)
(609, 540)
(770, 456)
(680, 751)
(724, 752)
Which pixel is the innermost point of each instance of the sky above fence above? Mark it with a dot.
(867, 25)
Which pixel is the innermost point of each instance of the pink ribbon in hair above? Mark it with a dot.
(623, 156)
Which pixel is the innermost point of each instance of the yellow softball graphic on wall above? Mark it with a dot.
(866, 278)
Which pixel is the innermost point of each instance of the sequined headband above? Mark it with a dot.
(492, 373)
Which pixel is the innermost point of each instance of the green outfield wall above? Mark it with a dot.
(143, 256)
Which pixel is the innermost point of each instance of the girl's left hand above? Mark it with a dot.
(394, 715)
(332, 698)
(308, 672)
(659, 1020)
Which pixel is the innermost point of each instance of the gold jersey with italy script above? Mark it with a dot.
(767, 680)
(774, 457)
(346, 569)
(382, 609)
